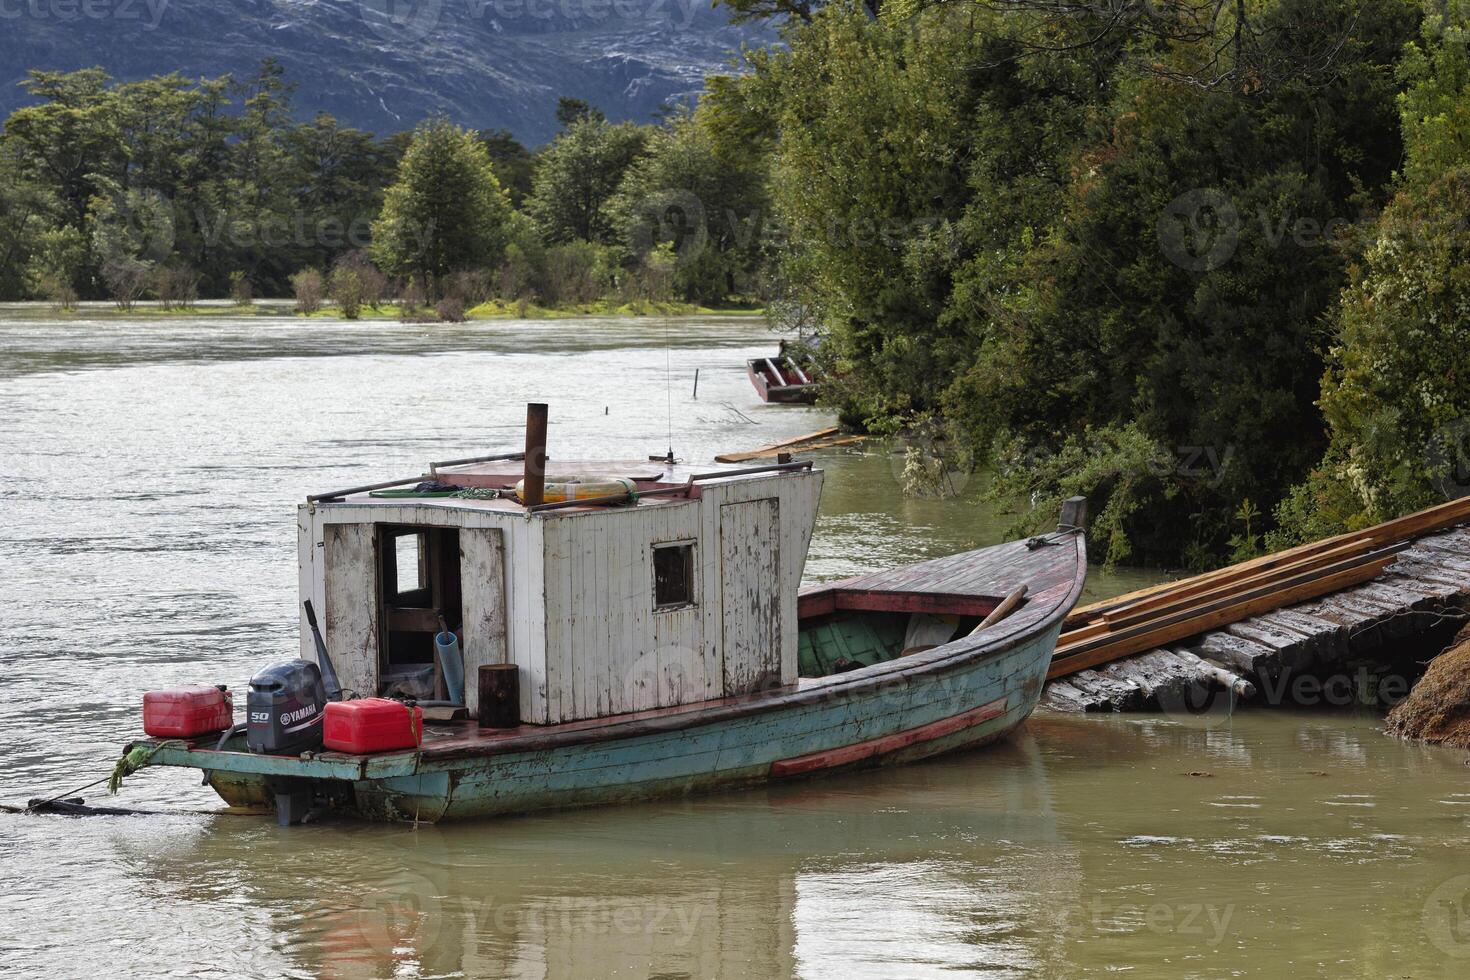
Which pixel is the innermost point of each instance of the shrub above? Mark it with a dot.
(347, 291)
(177, 287)
(240, 289)
(127, 281)
(310, 290)
(450, 309)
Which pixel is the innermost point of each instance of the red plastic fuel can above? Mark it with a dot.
(372, 725)
(185, 712)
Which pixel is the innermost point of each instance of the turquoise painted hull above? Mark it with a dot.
(702, 758)
(959, 695)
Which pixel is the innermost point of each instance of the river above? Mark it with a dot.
(148, 475)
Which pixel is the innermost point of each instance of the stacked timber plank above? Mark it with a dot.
(1242, 628)
(828, 438)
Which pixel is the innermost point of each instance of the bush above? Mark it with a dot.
(310, 291)
(177, 287)
(411, 297)
(576, 273)
(240, 289)
(347, 291)
(450, 309)
(127, 281)
(473, 287)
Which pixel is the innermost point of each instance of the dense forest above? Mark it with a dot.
(1201, 260)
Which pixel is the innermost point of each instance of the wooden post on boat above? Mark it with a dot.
(534, 487)
(1074, 514)
(500, 696)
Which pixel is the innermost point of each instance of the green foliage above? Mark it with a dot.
(576, 176)
(1394, 397)
(701, 202)
(446, 212)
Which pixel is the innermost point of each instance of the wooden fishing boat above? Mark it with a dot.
(780, 379)
(658, 643)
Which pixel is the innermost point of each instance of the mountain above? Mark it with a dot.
(383, 65)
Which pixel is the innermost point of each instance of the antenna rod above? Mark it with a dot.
(533, 492)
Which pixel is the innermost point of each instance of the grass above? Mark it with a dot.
(493, 310)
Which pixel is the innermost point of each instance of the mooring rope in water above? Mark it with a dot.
(130, 763)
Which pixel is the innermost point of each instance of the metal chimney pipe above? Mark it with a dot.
(534, 487)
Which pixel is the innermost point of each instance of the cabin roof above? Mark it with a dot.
(503, 474)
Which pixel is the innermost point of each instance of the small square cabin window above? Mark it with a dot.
(673, 575)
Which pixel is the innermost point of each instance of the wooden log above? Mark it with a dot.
(1260, 663)
(1217, 673)
(1292, 651)
(1191, 595)
(1062, 696)
(1106, 693)
(1327, 638)
(500, 696)
(777, 447)
(1415, 525)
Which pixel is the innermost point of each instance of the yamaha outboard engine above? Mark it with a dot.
(284, 709)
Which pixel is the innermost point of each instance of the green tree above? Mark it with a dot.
(1395, 395)
(577, 174)
(445, 212)
(514, 165)
(706, 205)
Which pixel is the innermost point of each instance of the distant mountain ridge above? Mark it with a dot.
(383, 65)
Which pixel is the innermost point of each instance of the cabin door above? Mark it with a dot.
(750, 554)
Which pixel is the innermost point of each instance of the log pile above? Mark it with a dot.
(1244, 627)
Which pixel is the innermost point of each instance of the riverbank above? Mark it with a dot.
(493, 310)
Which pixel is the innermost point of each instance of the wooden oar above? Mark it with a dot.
(1007, 606)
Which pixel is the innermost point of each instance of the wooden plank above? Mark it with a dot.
(350, 619)
(1401, 529)
(1094, 652)
(750, 595)
(1202, 592)
(482, 581)
(785, 445)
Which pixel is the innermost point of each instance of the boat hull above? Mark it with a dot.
(906, 720)
(778, 393)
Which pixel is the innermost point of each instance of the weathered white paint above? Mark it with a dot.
(482, 581)
(351, 611)
(576, 613)
(750, 606)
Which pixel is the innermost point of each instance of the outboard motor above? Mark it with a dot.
(285, 708)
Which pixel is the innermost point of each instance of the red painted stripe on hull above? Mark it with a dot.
(858, 751)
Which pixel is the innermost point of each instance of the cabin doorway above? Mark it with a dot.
(751, 595)
(419, 593)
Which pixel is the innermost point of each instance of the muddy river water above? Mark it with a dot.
(148, 475)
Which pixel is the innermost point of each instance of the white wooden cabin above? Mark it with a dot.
(604, 609)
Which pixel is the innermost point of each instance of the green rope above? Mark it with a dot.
(131, 763)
